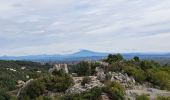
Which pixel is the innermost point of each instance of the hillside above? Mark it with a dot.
(88, 55)
(112, 78)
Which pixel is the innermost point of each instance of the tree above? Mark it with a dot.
(115, 91)
(86, 80)
(136, 58)
(83, 68)
(33, 90)
(114, 58)
(93, 67)
(4, 95)
(58, 82)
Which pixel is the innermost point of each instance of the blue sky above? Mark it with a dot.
(62, 26)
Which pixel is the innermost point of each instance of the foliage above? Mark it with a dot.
(115, 91)
(159, 77)
(148, 64)
(93, 94)
(142, 97)
(86, 80)
(113, 58)
(58, 73)
(32, 90)
(83, 68)
(4, 95)
(58, 83)
(9, 78)
(136, 58)
(116, 67)
(163, 98)
(142, 70)
(136, 72)
(93, 66)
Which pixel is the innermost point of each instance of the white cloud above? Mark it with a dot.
(51, 26)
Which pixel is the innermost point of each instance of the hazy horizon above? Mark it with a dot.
(82, 51)
(29, 27)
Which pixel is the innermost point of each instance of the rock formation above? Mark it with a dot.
(59, 67)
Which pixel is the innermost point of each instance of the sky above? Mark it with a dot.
(31, 27)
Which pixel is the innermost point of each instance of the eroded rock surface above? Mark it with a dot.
(78, 88)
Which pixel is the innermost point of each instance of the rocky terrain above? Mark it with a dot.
(78, 88)
(133, 88)
(118, 80)
(152, 92)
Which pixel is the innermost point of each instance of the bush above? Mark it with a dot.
(93, 67)
(33, 90)
(59, 73)
(4, 95)
(115, 91)
(86, 80)
(113, 58)
(159, 78)
(136, 58)
(148, 64)
(83, 69)
(163, 98)
(58, 83)
(116, 67)
(142, 97)
(137, 73)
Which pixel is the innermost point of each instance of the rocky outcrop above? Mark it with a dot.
(151, 92)
(78, 88)
(124, 79)
(100, 74)
(58, 67)
(22, 89)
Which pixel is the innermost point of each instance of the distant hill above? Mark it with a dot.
(87, 55)
(81, 55)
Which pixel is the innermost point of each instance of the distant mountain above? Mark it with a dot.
(82, 54)
(86, 55)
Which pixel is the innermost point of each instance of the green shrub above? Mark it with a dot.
(113, 58)
(116, 67)
(137, 73)
(163, 98)
(93, 66)
(148, 64)
(159, 78)
(4, 95)
(142, 97)
(57, 83)
(86, 80)
(58, 73)
(114, 90)
(33, 90)
(83, 69)
(136, 58)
